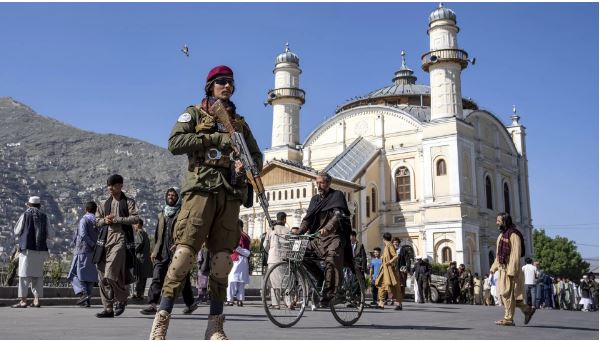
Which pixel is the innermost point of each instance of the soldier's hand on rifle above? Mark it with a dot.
(239, 166)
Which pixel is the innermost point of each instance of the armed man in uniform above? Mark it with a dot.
(213, 189)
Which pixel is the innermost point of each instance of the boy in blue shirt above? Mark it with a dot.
(374, 267)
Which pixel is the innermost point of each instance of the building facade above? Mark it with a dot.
(418, 161)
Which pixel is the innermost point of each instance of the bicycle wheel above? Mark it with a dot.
(284, 294)
(349, 302)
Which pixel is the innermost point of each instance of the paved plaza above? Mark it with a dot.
(416, 321)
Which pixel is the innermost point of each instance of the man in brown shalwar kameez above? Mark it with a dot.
(388, 280)
(510, 249)
(115, 249)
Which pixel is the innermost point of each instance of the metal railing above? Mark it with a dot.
(444, 55)
(285, 92)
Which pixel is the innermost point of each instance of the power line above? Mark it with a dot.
(579, 224)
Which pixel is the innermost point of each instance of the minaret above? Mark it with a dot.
(286, 99)
(444, 62)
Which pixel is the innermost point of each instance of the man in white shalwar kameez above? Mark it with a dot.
(33, 231)
(239, 275)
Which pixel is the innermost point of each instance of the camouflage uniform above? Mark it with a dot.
(466, 287)
(211, 196)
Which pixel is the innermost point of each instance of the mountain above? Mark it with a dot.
(67, 166)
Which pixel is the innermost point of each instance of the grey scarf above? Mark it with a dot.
(170, 211)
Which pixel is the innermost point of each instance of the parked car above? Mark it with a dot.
(437, 288)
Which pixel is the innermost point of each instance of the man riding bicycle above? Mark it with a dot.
(328, 215)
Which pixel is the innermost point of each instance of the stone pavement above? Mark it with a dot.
(416, 321)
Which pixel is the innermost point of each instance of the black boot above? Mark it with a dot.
(105, 313)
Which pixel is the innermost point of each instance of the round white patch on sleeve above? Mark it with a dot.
(185, 117)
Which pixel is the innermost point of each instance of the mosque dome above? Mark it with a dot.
(404, 91)
(442, 13)
(287, 56)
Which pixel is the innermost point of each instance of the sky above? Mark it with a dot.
(117, 68)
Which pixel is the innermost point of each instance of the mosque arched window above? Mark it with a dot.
(446, 254)
(488, 193)
(373, 199)
(304, 192)
(279, 195)
(402, 184)
(285, 195)
(291, 194)
(268, 196)
(441, 167)
(506, 198)
(368, 206)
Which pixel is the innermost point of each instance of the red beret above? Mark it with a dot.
(221, 70)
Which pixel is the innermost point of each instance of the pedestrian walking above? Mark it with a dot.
(33, 231)
(510, 249)
(452, 283)
(586, 296)
(477, 289)
(162, 253)
(423, 276)
(404, 259)
(388, 277)
(374, 268)
(143, 264)
(487, 288)
(272, 245)
(531, 273)
(114, 253)
(240, 272)
(594, 291)
(203, 271)
(83, 273)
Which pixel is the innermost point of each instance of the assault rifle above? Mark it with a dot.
(241, 150)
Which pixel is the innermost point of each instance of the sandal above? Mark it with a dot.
(35, 305)
(504, 322)
(19, 305)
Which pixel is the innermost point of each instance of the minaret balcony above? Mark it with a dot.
(444, 55)
(280, 93)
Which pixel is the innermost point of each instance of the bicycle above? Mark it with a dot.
(287, 284)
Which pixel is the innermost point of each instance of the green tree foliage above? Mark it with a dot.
(558, 256)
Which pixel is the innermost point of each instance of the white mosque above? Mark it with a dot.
(418, 161)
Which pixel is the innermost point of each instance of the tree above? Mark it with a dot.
(558, 256)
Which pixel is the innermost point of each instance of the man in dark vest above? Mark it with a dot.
(115, 250)
(33, 230)
(162, 253)
(328, 214)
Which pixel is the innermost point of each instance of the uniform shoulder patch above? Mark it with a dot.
(185, 117)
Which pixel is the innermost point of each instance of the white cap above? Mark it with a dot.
(34, 200)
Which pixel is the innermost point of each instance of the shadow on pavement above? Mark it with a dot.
(563, 327)
(379, 326)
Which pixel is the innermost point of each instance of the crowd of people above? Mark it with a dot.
(200, 224)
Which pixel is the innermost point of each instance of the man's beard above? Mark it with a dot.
(501, 227)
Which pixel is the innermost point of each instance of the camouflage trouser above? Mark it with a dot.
(210, 218)
(466, 296)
